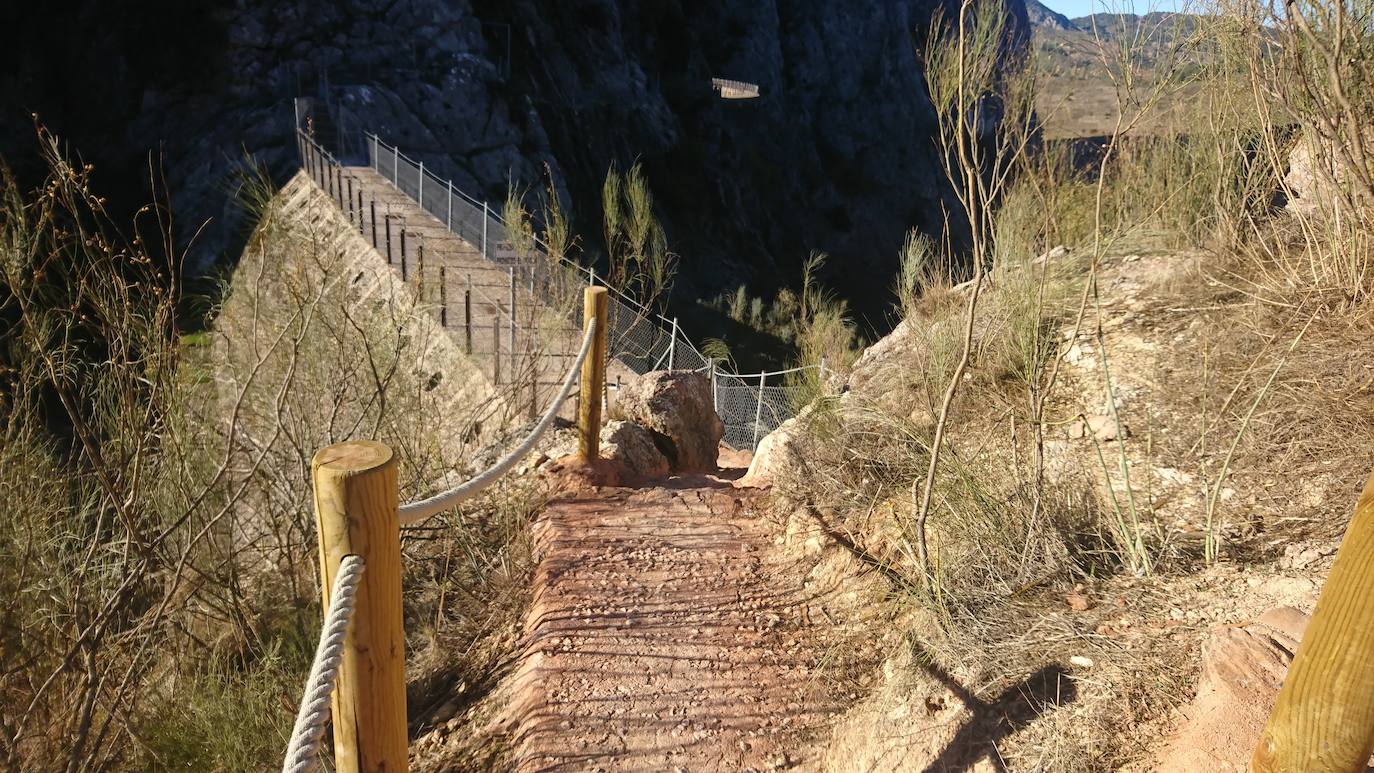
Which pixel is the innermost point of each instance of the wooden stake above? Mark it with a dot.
(355, 514)
(593, 375)
(443, 298)
(420, 269)
(495, 348)
(1323, 719)
(467, 315)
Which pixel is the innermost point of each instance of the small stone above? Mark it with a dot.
(1081, 661)
(1102, 427)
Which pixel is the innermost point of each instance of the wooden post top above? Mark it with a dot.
(352, 457)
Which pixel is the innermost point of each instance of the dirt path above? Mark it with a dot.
(667, 633)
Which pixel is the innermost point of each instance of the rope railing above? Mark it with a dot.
(358, 674)
(313, 714)
(414, 512)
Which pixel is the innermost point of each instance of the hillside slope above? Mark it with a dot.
(1068, 617)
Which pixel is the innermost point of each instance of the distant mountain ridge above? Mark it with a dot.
(1044, 17)
(1155, 26)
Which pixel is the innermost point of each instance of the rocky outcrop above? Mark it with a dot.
(675, 406)
(834, 155)
(1319, 180)
(632, 447)
(1243, 669)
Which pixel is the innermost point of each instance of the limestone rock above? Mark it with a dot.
(777, 454)
(675, 406)
(1101, 427)
(632, 446)
(1314, 173)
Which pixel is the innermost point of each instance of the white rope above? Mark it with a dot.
(415, 512)
(314, 711)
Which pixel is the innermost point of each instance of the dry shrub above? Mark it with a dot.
(157, 550)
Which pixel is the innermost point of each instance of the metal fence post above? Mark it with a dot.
(373, 205)
(485, 217)
(422, 185)
(758, 412)
(376, 162)
(396, 166)
(449, 223)
(715, 402)
(672, 345)
(404, 275)
(360, 208)
(351, 213)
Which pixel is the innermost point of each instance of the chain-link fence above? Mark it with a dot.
(638, 339)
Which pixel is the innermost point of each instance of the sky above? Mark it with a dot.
(1076, 8)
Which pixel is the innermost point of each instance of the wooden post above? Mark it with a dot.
(404, 275)
(387, 218)
(373, 205)
(360, 208)
(443, 298)
(420, 269)
(496, 347)
(534, 392)
(355, 514)
(1323, 719)
(512, 322)
(593, 375)
(467, 315)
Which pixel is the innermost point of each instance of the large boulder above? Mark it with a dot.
(676, 407)
(633, 448)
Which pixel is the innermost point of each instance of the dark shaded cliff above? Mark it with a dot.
(836, 155)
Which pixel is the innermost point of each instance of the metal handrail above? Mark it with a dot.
(640, 348)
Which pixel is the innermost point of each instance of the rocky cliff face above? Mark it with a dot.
(835, 155)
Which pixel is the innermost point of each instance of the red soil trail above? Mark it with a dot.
(668, 632)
